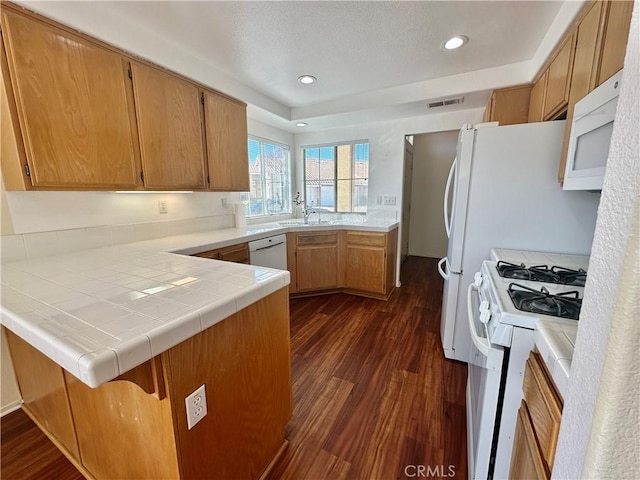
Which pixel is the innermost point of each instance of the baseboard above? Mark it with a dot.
(10, 408)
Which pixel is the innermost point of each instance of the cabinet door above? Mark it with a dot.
(316, 267)
(584, 75)
(364, 268)
(544, 405)
(227, 154)
(615, 39)
(169, 116)
(559, 81)
(536, 103)
(526, 462)
(74, 105)
(510, 106)
(488, 111)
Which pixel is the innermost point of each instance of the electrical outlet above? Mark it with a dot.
(162, 206)
(225, 202)
(389, 200)
(196, 407)
(379, 200)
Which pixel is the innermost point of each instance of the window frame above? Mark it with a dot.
(335, 146)
(263, 181)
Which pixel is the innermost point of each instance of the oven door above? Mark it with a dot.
(484, 391)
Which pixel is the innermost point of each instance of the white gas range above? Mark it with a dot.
(505, 301)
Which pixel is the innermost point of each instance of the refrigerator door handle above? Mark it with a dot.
(448, 219)
(444, 272)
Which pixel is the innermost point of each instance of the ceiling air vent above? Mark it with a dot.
(444, 103)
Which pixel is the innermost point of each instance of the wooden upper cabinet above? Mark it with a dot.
(170, 128)
(509, 106)
(559, 80)
(615, 39)
(585, 69)
(536, 100)
(226, 133)
(74, 107)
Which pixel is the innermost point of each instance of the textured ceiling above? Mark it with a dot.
(351, 47)
(383, 59)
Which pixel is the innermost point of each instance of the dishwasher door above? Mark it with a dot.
(269, 252)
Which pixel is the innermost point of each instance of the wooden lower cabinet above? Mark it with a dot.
(538, 423)
(526, 461)
(358, 262)
(135, 426)
(235, 253)
(316, 261)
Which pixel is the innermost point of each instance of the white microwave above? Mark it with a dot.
(590, 137)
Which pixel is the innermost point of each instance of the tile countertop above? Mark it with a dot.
(99, 313)
(555, 342)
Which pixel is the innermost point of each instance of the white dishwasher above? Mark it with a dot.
(269, 252)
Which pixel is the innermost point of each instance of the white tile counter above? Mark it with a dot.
(555, 342)
(100, 312)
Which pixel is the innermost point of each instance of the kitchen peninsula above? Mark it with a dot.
(107, 344)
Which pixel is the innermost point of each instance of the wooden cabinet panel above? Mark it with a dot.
(366, 238)
(245, 364)
(44, 392)
(316, 238)
(170, 128)
(235, 253)
(12, 154)
(291, 261)
(140, 422)
(536, 103)
(615, 39)
(509, 106)
(585, 68)
(227, 151)
(74, 107)
(316, 267)
(559, 81)
(364, 268)
(545, 408)
(526, 462)
(211, 254)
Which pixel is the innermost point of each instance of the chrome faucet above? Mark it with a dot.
(308, 211)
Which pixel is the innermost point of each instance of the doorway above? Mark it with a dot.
(426, 165)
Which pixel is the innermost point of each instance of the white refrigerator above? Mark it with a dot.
(503, 192)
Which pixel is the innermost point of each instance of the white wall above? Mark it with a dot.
(600, 430)
(386, 152)
(433, 154)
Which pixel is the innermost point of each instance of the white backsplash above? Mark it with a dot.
(44, 244)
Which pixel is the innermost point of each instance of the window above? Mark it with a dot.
(336, 176)
(270, 179)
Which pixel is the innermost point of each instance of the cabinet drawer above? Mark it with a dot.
(545, 406)
(235, 253)
(212, 254)
(317, 238)
(366, 238)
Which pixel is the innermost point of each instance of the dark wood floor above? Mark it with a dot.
(374, 397)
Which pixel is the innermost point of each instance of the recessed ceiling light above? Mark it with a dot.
(307, 79)
(455, 42)
(301, 124)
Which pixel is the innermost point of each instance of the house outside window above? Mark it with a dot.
(336, 177)
(270, 179)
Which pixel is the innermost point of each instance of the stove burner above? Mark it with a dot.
(564, 305)
(566, 276)
(542, 273)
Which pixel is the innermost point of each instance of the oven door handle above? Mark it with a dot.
(482, 344)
